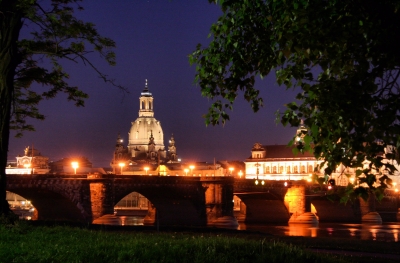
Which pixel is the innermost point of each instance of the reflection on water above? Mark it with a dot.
(386, 232)
(131, 220)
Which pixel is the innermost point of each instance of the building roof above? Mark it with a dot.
(283, 151)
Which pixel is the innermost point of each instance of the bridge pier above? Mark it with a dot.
(102, 203)
(368, 211)
(299, 206)
(219, 202)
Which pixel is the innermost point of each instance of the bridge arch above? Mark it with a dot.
(21, 206)
(168, 205)
(260, 208)
(50, 205)
(132, 209)
(328, 211)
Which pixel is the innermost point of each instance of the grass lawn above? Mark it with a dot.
(25, 242)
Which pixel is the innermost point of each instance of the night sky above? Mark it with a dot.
(153, 41)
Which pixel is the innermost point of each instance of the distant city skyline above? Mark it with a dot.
(153, 41)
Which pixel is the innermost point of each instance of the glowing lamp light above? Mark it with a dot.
(121, 165)
(186, 171)
(240, 174)
(146, 169)
(191, 169)
(231, 170)
(309, 178)
(285, 184)
(256, 182)
(329, 187)
(75, 165)
(262, 182)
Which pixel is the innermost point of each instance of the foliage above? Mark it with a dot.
(55, 34)
(341, 55)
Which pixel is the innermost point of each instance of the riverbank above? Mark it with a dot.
(55, 242)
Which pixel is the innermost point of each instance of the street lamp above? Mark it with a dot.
(146, 169)
(352, 180)
(121, 165)
(231, 170)
(186, 171)
(191, 169)
(240, 174)
(309, 179)
(75, 165)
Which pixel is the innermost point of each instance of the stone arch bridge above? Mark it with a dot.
(273, 202)
(175, 200)
(184, 200)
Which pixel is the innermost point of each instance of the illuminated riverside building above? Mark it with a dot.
(277, 162)
(32, 162)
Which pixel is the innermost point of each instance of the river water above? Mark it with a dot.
(389, 232)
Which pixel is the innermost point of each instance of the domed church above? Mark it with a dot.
(146, 140)
(146, 135)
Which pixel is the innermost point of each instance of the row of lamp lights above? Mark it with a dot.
(256, 182)
(331, 183)
(123, 164)
(186, 170)
(75, 165)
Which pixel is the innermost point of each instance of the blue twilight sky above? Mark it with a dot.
(153, 40)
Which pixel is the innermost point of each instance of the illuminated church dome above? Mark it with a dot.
(146, 127)
(146, 141)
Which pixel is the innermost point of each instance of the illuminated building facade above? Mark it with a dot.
(32, 162)
(277, 162)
